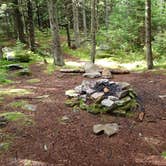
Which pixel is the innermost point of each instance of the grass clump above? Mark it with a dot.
(35, 80)
(18, 104)
(164, 154)
(13, 116)
(14, 92)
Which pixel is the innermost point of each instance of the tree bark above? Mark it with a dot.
(93, 30)
(149, 57)
(106, 14)
(84, 17)
(76, 23)
(18, 22)
(31, 26)
(56, 48)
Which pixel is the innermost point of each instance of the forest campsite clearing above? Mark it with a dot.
(44, 137)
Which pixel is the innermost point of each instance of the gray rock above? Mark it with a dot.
(122, 93)
(113, 98)
(108, 103)
(92, 75)
(89, 67)
(106, 73)
(30, 107)
(71, 93)
(111, 129)
(123, 85)
(98, 128)
(24, 72)
(14, 67)
(123, 101)
(3, 121)
(65, 119)
(97, 95)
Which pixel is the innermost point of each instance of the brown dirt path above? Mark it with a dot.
(51, 142)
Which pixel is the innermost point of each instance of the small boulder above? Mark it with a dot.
(108, 103)
(123, 85)
(71, 93)
(92, 75)
(14, 67)
(89, 67)
(122, 93)
(106, 73)
(97, 95)
(111, 129)
(30, 107)
(97, 129)
(24, 72)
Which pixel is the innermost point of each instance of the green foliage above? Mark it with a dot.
(17, 104)
(13, 116)
(163, 154)
(159, 44)
(21, 54)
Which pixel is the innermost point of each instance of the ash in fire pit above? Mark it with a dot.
(103, 96)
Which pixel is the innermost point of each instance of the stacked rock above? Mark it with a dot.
(102, 96)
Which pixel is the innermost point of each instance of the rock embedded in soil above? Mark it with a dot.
(24, 72)
(30, 107)
(106, 73)
(91, 70)
(111, 129)
(14, 67)
(108, 129)
(92, 75)
(71, 93)
(98, 128)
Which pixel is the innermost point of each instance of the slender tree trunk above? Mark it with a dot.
(18, 22)
(57, 52)
(149, 57)
(84, 17)
(106, 15)
(31, 26)
(93, 30)
(76, 23)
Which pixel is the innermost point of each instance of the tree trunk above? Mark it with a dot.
(18, 22)
(93, 30)
(106, 14)
(57, 52)
(84, 17)
(149, 57)
(76, 23)
(31, 26)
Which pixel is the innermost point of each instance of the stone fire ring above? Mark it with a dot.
(103, 96)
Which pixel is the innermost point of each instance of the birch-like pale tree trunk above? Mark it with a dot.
(149, 57)
(93, 30)
(84, 17)
(56, 47)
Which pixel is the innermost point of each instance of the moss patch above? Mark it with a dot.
(13, 116)
(164, 154)
(35, 80)
(18, 104)
(14, 92)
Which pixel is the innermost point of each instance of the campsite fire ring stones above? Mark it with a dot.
(103, 96)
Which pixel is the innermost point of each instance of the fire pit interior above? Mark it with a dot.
(103, 96)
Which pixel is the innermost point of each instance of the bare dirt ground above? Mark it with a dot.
(51, 142)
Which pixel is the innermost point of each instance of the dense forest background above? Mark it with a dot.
(117, 30)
